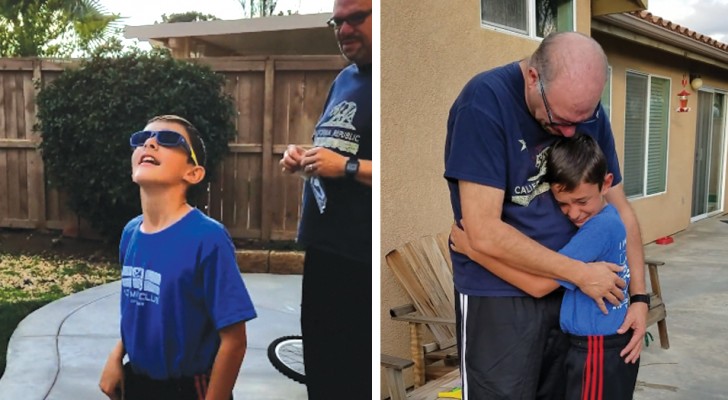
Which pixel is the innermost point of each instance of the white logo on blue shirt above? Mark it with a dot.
(139, 285)
(524, 194)
(342, 116)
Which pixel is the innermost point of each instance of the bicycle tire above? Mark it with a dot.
(286, 356)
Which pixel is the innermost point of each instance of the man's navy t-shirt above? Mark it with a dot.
(493, 140)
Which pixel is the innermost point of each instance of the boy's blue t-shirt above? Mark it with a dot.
(180, 286)
(601, 238)
(493, 140)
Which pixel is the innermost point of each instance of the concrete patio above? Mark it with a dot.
(58, 352)
(694, 284)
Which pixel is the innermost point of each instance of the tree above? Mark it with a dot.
(87, 114)
(189, 16)
(53, 28)
(258, 8)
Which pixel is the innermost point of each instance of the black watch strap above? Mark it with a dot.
(351, 168)
(640, 298)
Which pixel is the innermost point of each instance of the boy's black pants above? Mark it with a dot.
(595, 370)
(142, 387)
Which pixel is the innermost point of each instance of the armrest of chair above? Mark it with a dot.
(395, 363)
(393, 367)
(408, 313)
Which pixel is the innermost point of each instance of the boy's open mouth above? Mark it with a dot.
(148, 160)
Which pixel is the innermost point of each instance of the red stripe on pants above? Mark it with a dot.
(600, 389)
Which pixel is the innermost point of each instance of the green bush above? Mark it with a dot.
(87, 114)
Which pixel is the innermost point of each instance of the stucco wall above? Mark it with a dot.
(430, 49)
(667, 213)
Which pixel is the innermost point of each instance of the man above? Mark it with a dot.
(499, 131)
(336, 225)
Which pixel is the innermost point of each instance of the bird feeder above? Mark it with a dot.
(683, 96)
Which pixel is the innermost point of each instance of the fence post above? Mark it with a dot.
(37, 206)
(267, 156)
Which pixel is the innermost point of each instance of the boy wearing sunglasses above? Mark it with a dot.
(576, 170)
(183, 302)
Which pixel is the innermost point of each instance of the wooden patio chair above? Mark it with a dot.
(424, 269)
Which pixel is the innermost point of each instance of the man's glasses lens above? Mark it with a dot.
(355, 19)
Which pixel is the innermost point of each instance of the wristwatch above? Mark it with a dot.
(640, 298)
(352, 167)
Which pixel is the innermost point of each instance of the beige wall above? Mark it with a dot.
(430, 49)
(667, 213)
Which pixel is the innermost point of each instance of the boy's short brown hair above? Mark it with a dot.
(576, 160)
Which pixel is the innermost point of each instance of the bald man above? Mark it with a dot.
(498, 134)
(336, 224)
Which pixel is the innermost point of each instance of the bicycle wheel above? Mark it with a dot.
(286, 355)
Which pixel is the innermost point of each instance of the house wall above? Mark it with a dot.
(428, 53)
(667, 213)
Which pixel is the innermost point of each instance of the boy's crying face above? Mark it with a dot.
(582, 203)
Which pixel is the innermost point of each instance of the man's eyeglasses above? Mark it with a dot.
(593, 118)
(354, 19)
(164, 138)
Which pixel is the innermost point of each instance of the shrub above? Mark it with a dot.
(87, 114)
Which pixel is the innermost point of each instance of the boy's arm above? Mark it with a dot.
(112, 377)
(536, 286)
(233, 343)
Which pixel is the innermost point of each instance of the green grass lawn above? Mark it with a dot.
(30, 282)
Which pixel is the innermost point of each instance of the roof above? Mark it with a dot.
(274, 35)
(682, 30)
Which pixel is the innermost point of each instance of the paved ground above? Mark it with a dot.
(694, 282)
(58, 351)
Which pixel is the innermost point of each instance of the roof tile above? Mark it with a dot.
(682, 30)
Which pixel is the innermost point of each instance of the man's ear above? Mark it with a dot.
(608, 179)
(531, 77)
(194, 175)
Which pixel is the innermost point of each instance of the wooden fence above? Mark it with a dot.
(278, 101)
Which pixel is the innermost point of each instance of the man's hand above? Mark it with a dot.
(600, 281)
(291, 160)
(323, 162)
(459, 239)
(636, 319)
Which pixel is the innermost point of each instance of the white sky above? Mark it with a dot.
(704, 16)
(145, 12)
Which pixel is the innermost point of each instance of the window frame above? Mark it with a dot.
(645, 155)
(531, 26)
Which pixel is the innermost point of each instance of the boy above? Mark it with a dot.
(183, 302)
(577, 173)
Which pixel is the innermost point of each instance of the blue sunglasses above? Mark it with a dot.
(164, 138)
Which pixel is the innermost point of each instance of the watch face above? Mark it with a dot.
(352, 167)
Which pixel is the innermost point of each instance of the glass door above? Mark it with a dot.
(709, 154)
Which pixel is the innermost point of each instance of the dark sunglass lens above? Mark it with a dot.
(139, 138)
(168, 138)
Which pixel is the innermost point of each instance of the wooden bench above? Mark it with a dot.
(444, 349)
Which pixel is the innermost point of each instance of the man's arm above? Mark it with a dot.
(488, 234)
(535, 285)
(233, 343)
(637, 312)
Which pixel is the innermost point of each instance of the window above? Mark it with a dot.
(645, 134)
(534, 18)
(607, 94)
